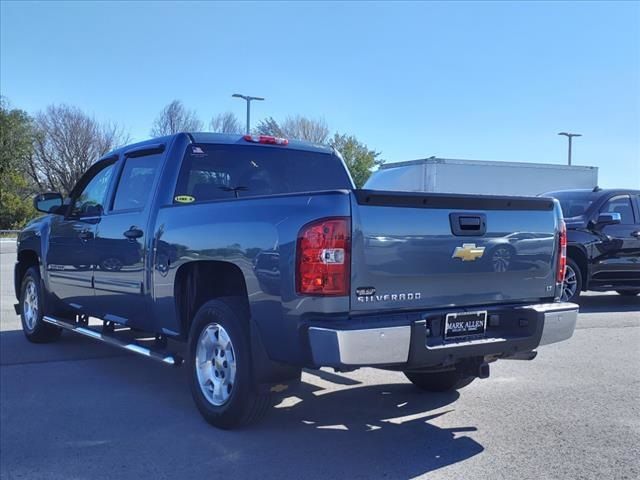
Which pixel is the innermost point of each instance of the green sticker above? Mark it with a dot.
(184, 199)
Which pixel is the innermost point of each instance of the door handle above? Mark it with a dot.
(636, 234)
(85, 235)
(133, 233)
(468, 224)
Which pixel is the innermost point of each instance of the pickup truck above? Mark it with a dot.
(603, 240)
(261, 258)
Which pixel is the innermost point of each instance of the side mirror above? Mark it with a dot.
(47, 202)
(609, 218)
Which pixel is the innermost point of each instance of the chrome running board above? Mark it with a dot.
(158, 355)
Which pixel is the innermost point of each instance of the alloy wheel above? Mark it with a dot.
(30, 305)
(570, 284)
(215, 364)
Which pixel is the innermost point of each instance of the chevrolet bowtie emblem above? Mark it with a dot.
(468, 252)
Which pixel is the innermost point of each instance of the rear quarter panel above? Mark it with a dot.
(259, 236)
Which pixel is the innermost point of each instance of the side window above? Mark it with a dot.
(205, 177)
(136, 181)
(621, 205)
(90, 202)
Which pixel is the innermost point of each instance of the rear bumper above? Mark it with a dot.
(559, 321)
(419, 343)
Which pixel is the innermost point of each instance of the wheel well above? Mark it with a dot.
(201, 281)
(578, 256)
(26, 260)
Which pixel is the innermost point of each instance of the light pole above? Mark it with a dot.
(570, 137)
(248, 99)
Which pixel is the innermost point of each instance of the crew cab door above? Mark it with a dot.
(71, 249)
(121, 241)
(617, 257)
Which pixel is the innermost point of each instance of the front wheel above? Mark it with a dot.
(220, 366)
(31, 310)
(572, 284)
(439, 381)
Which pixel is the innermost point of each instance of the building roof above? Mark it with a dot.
(435, 160)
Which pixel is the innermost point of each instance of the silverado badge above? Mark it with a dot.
(468, 252)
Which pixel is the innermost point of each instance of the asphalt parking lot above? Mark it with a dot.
(76, 409)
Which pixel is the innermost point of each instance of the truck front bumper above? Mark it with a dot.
(410, 342)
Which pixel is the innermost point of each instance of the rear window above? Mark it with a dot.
(213, 172)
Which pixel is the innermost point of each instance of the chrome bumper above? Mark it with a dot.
(371, 346)
(391, 345)
(559, 321)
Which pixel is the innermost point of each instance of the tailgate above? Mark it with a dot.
(436, 250)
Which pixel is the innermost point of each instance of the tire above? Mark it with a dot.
(220, 367)
(438, 381)
(32, 310)
(628, 293)
(573, 282)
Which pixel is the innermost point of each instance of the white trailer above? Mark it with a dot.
(480, 177)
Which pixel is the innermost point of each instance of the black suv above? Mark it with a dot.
(603, 229)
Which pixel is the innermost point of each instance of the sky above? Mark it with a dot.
(470, 80)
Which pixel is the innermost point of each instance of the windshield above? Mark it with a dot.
(212, 172)
(574, 204)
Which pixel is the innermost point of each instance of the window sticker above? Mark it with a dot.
(196, 150)
(184, 198)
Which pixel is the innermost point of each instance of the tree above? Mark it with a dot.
(303, 128)
(296, 127)
(269, 126)
(226, 123)
(175, 118)
(358, 157)
(66, 143)
(16, 135)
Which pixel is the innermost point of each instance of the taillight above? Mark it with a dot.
(266, 139)
(562, 252)
(322, 257)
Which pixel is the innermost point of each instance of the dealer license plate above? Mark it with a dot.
(465, 324)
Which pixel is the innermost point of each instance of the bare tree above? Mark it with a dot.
(175, 118)
(226, 123)
(66, 143)
(303, 128)
(297, 127)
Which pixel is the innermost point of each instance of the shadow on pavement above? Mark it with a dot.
(608, 303)
(16, 349)
(375, 431)
(127, 417)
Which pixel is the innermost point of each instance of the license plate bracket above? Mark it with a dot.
(460, 325)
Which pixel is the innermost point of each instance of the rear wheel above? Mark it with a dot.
(439, 381)
(629, 293)
(32, 310)
(220, 366)
(572, 284)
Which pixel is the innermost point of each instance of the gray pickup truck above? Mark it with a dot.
(261, 256)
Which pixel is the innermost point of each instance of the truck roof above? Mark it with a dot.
(221, 138)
